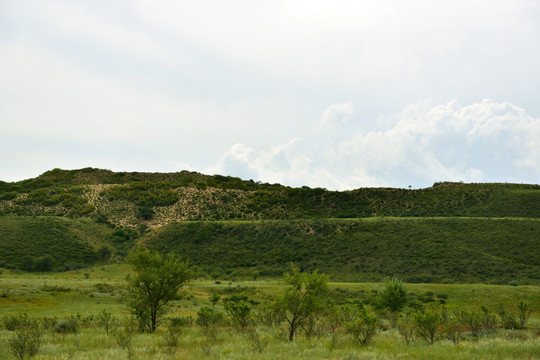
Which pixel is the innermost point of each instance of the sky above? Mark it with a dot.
(335, 94)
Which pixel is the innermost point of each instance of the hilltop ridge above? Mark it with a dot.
(120, 196)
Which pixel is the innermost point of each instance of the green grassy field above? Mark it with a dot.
(88, 292)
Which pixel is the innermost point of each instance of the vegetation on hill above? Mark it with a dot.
(70, 243)
(171, 197)
(417, 250)
(447, 232)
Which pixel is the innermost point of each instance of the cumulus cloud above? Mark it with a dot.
(485, 141)
(336, 114)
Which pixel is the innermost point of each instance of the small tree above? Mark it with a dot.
(145, 212)
(304, 297)
(524, 312)
(209, 319)
(156, 282)
(26, 340)
(406, 328)
(105, 320)
(363, 327)
(393, 297)
(43, 263)
(214, 298)
(104, 253)
(427, 323)
(238, 308)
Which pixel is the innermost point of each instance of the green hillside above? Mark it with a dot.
(71, 243)
(417, 250)
(119, 198)
(447, 232)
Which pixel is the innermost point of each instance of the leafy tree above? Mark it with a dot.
(304, 297)
(43, 263)
(524, 312)
(214, 298)
(239, 310)
(106, 320)
(394, 296)
(156, 282)
(427, 323)
(145, 212)
(26, 340)
(363, 327)
(104, 253)
(27, 262)
(209, 319)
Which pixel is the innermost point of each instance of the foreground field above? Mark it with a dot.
(83, 295)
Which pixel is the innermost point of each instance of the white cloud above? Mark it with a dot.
(482, 142)
(337, 113)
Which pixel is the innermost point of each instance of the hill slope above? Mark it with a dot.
(72, 243)
(418, 250)
(450, 231)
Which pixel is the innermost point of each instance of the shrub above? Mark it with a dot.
(508, 319)
(489, 321)
(181, 321)
(209, 319)
(170, 338)
(15, 322)
(394, 296)
(406, 329)
(145, 212)
(26, 340)
(67, 326)
(471, 320)
(524, 312)
(238, 308)
(363, 327)
(104, 253)
(453, 329)
(269, 314)
(427, 323)
(106, 321)
(124, 336)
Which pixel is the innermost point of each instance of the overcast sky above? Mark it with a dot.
(335, 94)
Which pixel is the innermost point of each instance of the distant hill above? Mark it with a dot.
(120, 197)
(469, 227)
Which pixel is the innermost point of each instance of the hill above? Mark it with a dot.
(447, 232)
(126, 199)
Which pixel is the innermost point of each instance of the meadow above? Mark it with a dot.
(82, 295)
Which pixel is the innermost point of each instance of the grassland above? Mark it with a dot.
(88, 292)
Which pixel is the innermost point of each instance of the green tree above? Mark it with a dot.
(238, 308)
(156, 282)
(104, 253)
(209, 319)
(304, 297)
(524, 312)
(394, 296)
(145, 212)
(26, 340)
(43, 263)
(427, 323)
(363, 327)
